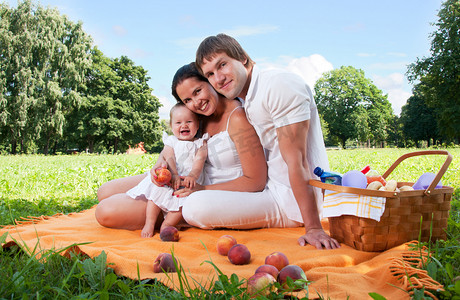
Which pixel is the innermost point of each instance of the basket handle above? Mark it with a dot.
(438, 176)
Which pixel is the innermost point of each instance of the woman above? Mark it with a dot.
(234, 194)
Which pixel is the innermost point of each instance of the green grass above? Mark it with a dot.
(46, 185)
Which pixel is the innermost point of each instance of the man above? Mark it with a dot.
(281, 108)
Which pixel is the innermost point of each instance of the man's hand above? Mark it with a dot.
(319, 239)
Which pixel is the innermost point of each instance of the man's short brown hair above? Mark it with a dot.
(221, 43)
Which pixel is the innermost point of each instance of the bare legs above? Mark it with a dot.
(116, 209)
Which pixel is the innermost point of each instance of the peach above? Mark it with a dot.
(169, 234)
(272, 270)
(260, 284)
(163, 175)
(164, 263)
(239, 255)
(277, 259)
(224, 243)
(294, 272)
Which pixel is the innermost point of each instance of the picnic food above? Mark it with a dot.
(354, 179)
(163, 175)
(239, 255)
(277, 259)
(260, 284)
(374, 185)
(164, 263)
(294, 272)
(272, 270)
(169, 234)
(391, 185)
(224, 243)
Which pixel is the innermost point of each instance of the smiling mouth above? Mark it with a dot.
(185, 131)
(225, 86)
(204, 106)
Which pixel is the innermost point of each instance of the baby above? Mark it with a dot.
(187, 165)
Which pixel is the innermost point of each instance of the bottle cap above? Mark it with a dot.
(318, 171)
(365, 169)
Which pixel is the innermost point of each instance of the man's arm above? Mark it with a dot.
(293, 146)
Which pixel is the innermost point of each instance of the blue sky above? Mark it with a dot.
(305, 36)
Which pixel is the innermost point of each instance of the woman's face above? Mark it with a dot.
(198, 96)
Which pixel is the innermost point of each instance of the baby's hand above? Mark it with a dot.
(175, 182)
(189, 181)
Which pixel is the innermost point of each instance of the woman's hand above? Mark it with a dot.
(185, 191)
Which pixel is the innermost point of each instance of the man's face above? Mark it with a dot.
(227, 75)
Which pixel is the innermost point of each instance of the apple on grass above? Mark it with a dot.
(295, 273)
(163, 175)
(224, 243)
(260, 284)
(169, 234)
(277, 259)
(164, 263)
(239, 255)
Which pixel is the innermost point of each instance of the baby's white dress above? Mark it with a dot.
(184, 152)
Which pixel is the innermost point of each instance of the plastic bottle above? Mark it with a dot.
(328, 177)
(373, 175)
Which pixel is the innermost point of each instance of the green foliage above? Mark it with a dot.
(419, 120)
(439, 73)
(352, 106)
(44, 57)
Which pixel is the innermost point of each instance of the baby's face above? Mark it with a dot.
(184, 123)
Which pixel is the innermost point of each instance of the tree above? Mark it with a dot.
(440, 73)
(419, 120)
(118, 108)
(44, 58)
(352, 106)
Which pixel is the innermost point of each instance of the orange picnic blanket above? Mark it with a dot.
(335, 274)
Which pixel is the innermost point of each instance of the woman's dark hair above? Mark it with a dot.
(185, 72)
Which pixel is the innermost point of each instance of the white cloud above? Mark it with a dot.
(396, 86)
(250, 30)
(167, 104)
(362, 54)
(119, 30)
(310, 68)
(237, 32)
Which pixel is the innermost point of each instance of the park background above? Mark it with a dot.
(93, 77)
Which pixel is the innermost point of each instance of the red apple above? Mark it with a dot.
(239, 255)
(277, 259)
(163, 175)
(224, 243)
(272, 270)
(260, 284)
(292, 271)
(164, 263)
(169, 234)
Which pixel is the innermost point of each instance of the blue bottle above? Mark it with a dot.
(328, 177)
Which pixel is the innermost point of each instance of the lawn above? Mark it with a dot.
(45, 185)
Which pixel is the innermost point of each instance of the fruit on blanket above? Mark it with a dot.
(239, 255)
(277, 259)
(272, 270)
(169, 234)
(224, 243)
(294, 272)
(260, 284)
(163, 175)
(164, 263)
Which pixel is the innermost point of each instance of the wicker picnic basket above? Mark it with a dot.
(408, 215)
